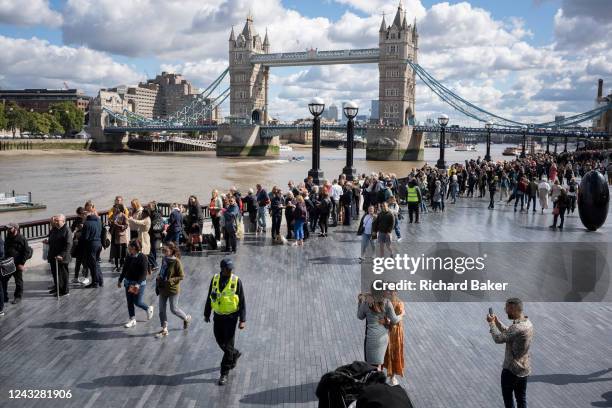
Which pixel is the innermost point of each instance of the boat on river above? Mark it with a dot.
(18, 202)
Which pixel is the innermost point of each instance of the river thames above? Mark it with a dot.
(64, 181)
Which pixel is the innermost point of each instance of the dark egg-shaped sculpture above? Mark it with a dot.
(593, 200)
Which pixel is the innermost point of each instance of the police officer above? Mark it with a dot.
(413, 197)
(226, 299)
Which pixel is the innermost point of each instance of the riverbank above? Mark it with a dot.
(8, 146)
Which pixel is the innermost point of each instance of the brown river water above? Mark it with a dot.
(64, 181)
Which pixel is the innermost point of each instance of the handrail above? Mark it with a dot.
(39, 229)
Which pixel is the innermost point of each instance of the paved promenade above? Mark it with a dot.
(301, 323)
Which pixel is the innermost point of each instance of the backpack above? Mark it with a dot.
(158, 224)
(28, 252)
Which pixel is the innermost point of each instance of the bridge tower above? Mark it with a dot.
(248, 82)
(397, 42)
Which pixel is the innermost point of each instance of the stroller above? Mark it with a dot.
(339, 388)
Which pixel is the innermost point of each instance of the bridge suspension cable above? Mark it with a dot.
(482, 115)
(191, 114)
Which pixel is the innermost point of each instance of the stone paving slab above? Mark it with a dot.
(302, 323)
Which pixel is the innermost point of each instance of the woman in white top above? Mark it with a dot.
(543, 192)
(365, 230)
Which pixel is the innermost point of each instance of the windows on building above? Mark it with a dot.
(391, 92)
(392, 49)
(391, 111)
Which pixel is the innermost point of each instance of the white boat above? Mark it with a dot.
(465, 148)
(340, 147)
(510, 151)
(285, 148)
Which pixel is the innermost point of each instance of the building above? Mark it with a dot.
(331, 113)
(603, 122)
(173, 92)
(374, 111)
(397, 43)
(248, 82)
(161, 97)
(40, 100)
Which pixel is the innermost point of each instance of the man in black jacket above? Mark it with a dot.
(15, 247)
(60, 245)
(226, 299)
(91, 237)
(2, 290)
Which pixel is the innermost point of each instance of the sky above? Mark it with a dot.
(526, 60)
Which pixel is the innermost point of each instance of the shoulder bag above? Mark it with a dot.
(7, 267)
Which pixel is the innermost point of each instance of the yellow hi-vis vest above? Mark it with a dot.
(413, 195)
(226, 300)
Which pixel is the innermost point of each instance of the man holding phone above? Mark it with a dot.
(517, 361)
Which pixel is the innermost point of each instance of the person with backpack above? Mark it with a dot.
(323, 209)
(263, 201)
(16, 247)
(230, 225)
(175, 225)
(155, 233)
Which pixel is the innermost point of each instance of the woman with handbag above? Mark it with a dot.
(167, 287)
(134, 279)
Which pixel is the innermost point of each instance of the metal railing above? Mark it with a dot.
(39, 229)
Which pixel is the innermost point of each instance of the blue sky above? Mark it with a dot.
(503, 55)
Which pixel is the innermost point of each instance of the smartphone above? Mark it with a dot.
(490, 311)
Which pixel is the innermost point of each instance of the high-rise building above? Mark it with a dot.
(173, 92)
(331, 113)
(375, 113)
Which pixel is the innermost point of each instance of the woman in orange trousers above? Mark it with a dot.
(394, 357)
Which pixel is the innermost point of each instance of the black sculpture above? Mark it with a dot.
(593, 200)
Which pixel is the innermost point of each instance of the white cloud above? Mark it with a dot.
(488, 61)
(31, 63)
(30, 12)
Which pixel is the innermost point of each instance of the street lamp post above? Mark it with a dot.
(523, 154)
(548, 143)
(442, 121)
(350, 111)
(565, 143)
(488, 125)
(316, 107)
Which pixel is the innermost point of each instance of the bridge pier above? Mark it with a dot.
(245, 140)
(102, 141)
(394, 144)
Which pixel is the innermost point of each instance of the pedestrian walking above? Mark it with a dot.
(227, 300)
(58, 256)
(167, 287)
(134, 279)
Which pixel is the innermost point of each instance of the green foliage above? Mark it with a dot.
(16, 117)
(3, 119)
(68, 116)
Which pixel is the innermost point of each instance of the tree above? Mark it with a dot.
(16, 117)
(37, 123)
(69, 116)
(55, 128)
(3, 119)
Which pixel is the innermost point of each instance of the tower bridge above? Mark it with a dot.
(249, 132)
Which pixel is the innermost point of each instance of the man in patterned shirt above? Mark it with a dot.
(517, 362)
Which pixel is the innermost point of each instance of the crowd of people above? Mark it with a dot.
(134, 234)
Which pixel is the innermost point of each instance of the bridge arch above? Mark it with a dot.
(257, 116)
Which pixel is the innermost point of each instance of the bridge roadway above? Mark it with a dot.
(302, 323)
